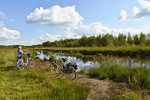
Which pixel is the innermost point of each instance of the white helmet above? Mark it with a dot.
(19, 47)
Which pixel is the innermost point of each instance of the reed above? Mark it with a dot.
(137, 77)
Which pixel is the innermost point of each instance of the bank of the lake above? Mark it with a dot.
(131, 51)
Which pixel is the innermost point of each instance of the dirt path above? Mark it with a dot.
(98, 88)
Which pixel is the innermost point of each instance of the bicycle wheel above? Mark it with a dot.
(20, 65)
(31, 62)
(55, 69)
(71, 73)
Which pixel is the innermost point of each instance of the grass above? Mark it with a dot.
(35, 86)
(132, 51)
(32, 84)
(138, 77)
(129, 96)
(8, 57)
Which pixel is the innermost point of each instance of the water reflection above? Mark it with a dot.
(82, 65)
(42, 56)
(85, 63)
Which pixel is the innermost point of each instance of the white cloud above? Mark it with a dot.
(92, 29)
(20, 42)
(2, 14)
(49, 37)
(30, 42)
(1, 23)
(97, 28)
(7, 34)
(71, 23)
(88, 30)
(38, 30)
(137, 13)
(123, 15)
(55, 15)
(12, 20)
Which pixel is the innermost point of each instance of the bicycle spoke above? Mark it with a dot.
(20, 65)
(31, 62)
(55, 69)
(71, 73)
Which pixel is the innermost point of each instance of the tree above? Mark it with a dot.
(130, 41)
(91, 41)
(122, 39)
(142, 39)
(107, 40)
(148, 39)
(83, 41)
(136, 40)
(98, 40)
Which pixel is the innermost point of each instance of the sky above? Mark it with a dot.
(31, 22)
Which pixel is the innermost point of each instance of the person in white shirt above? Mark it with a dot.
(19, 53)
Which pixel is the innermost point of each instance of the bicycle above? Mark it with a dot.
(30, 62)
(69, 68)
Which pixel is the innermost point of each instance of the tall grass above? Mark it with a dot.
(8, 58)
(35, 86)
(138, 77)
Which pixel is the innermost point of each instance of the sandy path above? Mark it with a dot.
(98, 88)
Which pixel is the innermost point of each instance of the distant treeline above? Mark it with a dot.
(102, 40)
(16, 46)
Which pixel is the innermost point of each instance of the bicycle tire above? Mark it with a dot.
(31, 62)
(55, 69)
(20, 65)
(71, 74)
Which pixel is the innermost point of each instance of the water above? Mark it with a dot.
(81, 64)
(86, 65)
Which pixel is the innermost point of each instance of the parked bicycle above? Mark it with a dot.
(69, 68)
(30, 62)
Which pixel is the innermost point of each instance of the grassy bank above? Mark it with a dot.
(132, 51)
(138, 77)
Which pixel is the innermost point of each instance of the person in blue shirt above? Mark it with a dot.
(19, 53)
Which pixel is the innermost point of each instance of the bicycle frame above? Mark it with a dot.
(25, 63)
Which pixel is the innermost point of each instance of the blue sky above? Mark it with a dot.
(31, 22)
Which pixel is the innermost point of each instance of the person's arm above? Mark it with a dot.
(24, 53)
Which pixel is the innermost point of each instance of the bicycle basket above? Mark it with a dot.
(28, 54)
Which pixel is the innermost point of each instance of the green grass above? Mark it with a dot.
(35, 86)
(127, 96)
(8, 57)
(132, 51)
(138, 77)
(32, 84)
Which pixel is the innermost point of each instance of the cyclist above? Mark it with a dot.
(19, 53)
